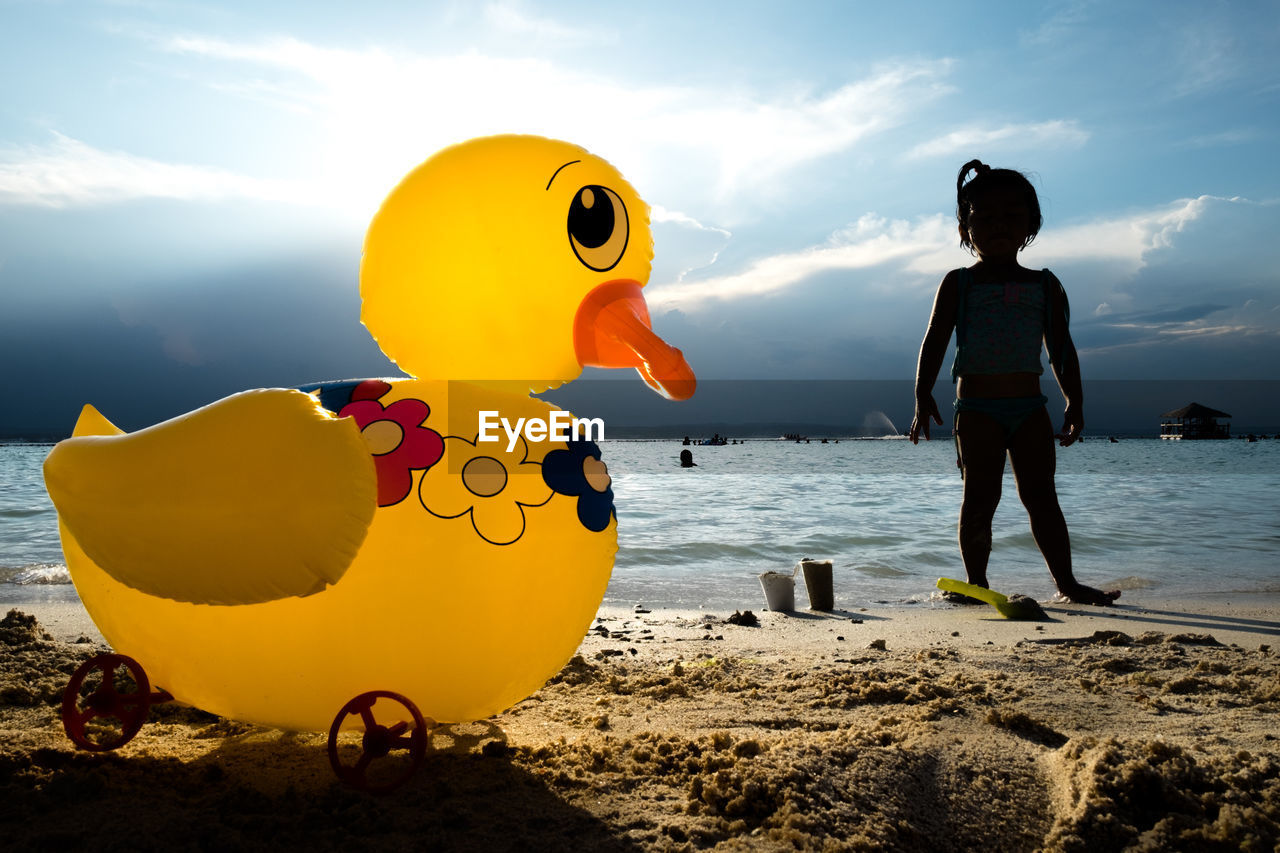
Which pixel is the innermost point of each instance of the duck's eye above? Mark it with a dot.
(598, 227)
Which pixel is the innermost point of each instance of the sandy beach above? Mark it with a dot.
(1141, 727)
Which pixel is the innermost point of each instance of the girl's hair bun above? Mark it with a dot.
(972, 166)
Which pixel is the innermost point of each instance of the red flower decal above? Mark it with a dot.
(396, 436)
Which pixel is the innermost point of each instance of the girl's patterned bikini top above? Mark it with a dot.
(999, 327)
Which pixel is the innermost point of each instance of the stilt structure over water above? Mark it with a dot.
(1194, 421)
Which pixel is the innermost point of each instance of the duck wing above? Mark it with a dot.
(260, 496)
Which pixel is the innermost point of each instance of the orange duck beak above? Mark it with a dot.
(612, 329)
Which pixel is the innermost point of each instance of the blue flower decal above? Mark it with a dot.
(578, 472)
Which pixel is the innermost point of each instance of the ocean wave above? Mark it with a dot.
(879, 570)
(1132, 582)
(27, 512)
(35, 574)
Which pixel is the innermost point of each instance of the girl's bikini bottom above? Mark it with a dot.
(1009, 412)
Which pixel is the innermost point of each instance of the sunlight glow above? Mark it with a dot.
(380, 114)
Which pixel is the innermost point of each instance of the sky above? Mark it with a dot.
(184, 186)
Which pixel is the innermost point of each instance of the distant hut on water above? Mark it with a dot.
(1194, 421)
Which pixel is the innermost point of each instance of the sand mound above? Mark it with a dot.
(1100, 743)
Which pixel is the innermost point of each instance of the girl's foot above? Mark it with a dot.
(960, 598)
(1081, 594)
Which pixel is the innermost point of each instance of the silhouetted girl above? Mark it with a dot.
(1002, 312)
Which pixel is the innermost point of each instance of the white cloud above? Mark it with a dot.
(869, 242)
(1122, 240)
(926, 247)
(759, 140)
(658, 213)
(1063, 25)
(382, 113)
(509, 17)
(1106, 261)
(683, 245)
(1209, 57)
(373, 114)
(1009, 137)
(377, 114)
(67, 172)
(281, 52)
(1222, 138)
(1209, 331)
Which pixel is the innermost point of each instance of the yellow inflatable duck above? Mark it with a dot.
(279, 552)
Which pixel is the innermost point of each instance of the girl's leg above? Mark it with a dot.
(981, 443)
(1032, 453)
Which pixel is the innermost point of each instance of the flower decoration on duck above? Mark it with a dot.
(488, 483)
(578, 471)
(400, 444)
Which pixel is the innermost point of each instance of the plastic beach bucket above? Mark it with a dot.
(818, 583)
(779, 591)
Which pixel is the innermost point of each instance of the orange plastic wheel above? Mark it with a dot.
(379, 742)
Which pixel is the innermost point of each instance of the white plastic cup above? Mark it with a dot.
(779, 591)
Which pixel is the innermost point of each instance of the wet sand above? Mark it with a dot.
(1146, 727)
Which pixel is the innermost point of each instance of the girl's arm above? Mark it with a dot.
(934, 349)
(1066, 366)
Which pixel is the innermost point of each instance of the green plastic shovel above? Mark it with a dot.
(1015, 607)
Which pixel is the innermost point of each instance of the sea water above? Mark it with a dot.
(1157, 519)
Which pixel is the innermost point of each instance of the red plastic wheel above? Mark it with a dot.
(107, 703)
(380, 741)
